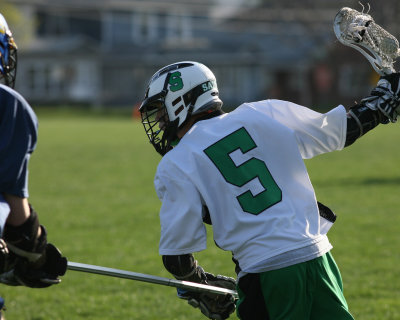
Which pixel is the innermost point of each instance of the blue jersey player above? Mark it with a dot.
(25, 256)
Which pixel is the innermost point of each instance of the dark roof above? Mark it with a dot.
(203, 5)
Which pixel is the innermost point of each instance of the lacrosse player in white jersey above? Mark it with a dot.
(243, 172)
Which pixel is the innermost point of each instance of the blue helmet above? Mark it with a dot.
(8, 54)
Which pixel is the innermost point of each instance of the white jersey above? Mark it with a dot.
(247, 167)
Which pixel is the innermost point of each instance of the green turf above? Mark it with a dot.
(91, 180)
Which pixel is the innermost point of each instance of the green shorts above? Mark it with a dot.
(311, 290)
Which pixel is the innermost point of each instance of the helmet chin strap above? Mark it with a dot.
(169, 137)
(172, 128)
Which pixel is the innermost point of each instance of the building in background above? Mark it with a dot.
(101, 52)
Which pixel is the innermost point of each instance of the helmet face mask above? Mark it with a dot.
(155, 119)
(174, 94)
(8, 55)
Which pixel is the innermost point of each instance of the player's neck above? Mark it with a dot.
(202, 116)
(182, 131)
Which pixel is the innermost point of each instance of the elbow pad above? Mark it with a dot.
(360, 120)
(184, 267)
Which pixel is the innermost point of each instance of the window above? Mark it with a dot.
(178, 26)
(122, 28)
(144, 27)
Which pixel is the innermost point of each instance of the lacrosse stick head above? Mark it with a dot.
(359, 31)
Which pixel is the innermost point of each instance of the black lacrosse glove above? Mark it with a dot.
(7, 259)
(32, 261)
(42, 275)
(385, 97)
(212, 305)
(38, 274)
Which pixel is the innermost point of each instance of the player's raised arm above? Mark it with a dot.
(381, 106)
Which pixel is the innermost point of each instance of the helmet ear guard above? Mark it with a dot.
(190, 97)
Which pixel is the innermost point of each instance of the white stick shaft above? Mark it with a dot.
(192, 286)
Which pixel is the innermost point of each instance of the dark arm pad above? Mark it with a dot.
(360, 120)
(183, 267)
(24, 241)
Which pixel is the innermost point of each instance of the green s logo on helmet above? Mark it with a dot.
(175, 81)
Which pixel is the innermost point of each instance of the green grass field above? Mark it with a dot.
(91, 180)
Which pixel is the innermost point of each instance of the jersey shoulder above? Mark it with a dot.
(11, 94)
(13, 107)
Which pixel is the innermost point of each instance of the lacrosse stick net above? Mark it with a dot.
(359, 31)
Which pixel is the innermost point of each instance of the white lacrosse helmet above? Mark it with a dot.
(174, 94)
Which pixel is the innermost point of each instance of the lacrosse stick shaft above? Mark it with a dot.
(191, 286)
